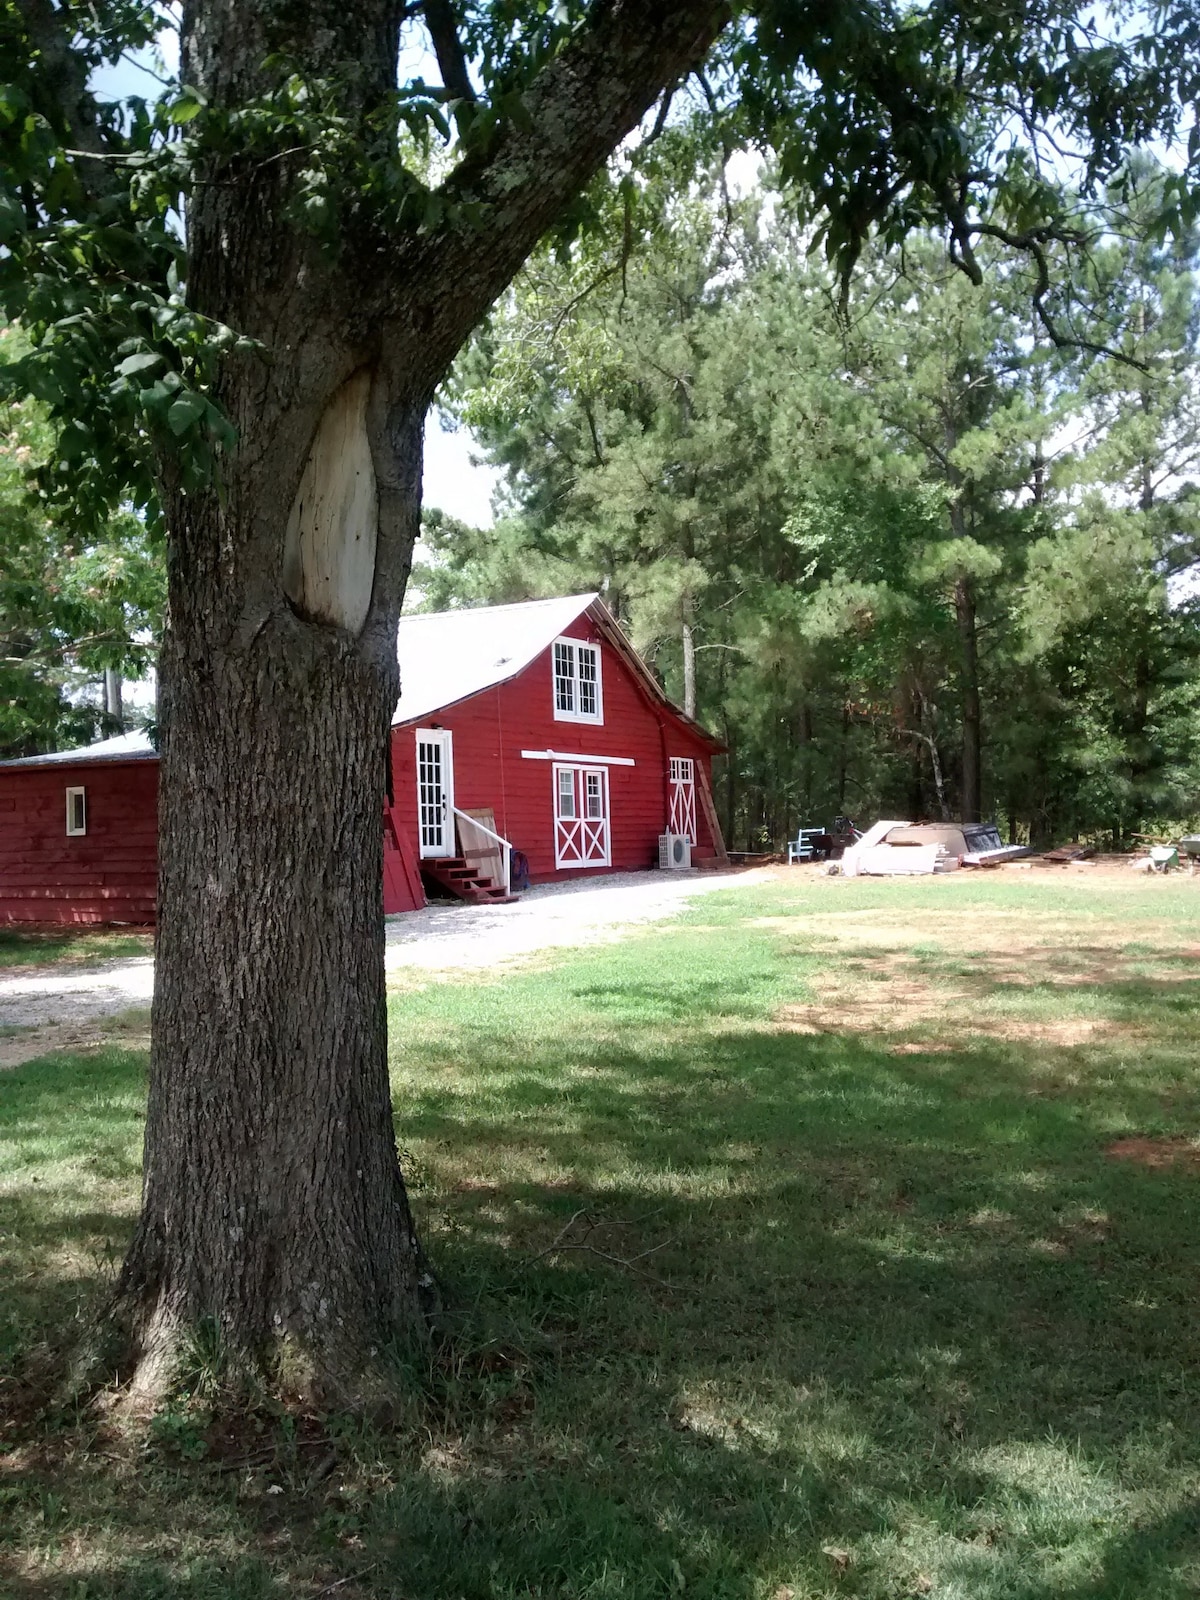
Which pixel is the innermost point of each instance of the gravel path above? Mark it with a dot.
(439, 938)
(550, 916)
(35, 996)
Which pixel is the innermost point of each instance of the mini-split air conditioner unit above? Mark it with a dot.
(674, 851)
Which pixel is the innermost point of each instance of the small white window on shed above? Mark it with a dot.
(76, 812)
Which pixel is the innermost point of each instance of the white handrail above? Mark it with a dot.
(505, 847)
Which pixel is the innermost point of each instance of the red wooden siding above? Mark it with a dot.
(106, 875)
(493, 727)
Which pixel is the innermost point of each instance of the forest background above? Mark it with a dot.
(923, 548)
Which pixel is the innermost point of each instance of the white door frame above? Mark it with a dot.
(682, 819)
(580, 840)
(435, 794)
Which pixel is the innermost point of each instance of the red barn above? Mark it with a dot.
(538, 727)
(533, 728)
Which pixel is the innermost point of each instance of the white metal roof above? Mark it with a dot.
(447, 655)
(125, 747)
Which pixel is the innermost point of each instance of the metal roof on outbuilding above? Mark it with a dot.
(124, 747)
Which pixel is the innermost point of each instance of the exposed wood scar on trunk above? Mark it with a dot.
(329, 548)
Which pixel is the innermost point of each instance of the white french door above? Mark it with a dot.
(581, 835)
(435, 792)
(683, 798)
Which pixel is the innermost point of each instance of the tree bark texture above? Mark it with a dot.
(274, 1205)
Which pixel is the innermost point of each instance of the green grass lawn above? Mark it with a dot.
(879, 1297)
(22, 948)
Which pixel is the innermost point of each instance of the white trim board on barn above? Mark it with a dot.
(571, 755)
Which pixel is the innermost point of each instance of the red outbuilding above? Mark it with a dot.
(531, 733)
(538, 728)
(79, 834)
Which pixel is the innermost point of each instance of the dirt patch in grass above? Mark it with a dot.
(901, 1007)
(1011, 978)
(27, 1044)
(891, 992)
(1155, 1153)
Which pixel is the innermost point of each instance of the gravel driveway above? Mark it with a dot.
(552, 915)
(442, 937)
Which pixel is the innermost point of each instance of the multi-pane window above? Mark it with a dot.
(577, 688)
(594, 784)
(564, 678)
(589, 685)
(566, 791)
(76, 812)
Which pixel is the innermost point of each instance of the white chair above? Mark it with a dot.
(803, 846)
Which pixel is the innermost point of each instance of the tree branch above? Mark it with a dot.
(442, 23)
(1032, 243)
(65, 73)
(502, 198)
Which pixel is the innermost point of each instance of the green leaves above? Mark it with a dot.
(186, 410)
(140, 361)
(185, 107)
(74, 599)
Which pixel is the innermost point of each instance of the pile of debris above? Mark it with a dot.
(905, 849)
(1166, 857)
(900, 849)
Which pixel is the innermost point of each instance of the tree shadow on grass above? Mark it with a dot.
(907, 1325)
(936, 1248)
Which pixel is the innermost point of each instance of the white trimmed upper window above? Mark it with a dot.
(578, 693)
(76, 812)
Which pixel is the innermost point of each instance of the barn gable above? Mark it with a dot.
(446, 656)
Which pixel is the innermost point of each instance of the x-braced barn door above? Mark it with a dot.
(435, 792)
(581, 817)
(683, 798)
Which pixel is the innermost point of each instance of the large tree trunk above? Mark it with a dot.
(273, 1201)
(273, 1204)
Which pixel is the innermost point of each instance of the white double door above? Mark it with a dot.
(435, 792)
(581, 831)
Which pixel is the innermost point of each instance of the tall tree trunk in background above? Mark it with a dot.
(689, 670)
(929, 735)
(804, 734)
(972, 748)
(113, 707)
(843, 760)
(273, 1201)
(1139, 748)
(731, 794)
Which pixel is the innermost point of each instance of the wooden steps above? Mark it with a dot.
(454, 876)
